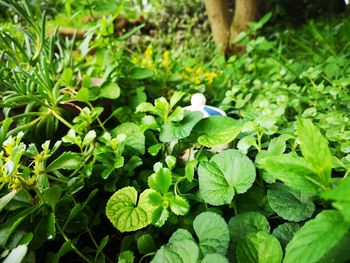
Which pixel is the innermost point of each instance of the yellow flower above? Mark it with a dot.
(134, 60)
(210, 76)
(188, 69)
(166, 60)
(148, 52)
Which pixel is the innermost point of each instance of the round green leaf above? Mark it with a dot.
(247, 223)
(285, 232)
(260, 247)
(216, 130)
(227, 173)
(212, 232)
(135, 139)
(125, 213)
(290, 204)
(180, 249)
(145, 244)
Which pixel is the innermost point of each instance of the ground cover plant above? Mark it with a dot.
(92, 132)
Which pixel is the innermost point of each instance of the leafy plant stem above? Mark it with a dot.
(77, 251)
(176, 187)
(346, 174)
(61, 119)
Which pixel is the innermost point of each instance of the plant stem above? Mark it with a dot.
(77, 251)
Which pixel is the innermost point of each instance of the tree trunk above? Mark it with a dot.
(245, 11)
(219, 19)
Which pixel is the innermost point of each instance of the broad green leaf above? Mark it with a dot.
(247, 223)
(12, 223)
(290, 204)
(175, 98)
(110, 90)
(260, 247)
(340, 253)
(52, 195)
(217, 258)
(172, 131)
(126, 257)
(212, 232)
(160, 180)
(316, 238)
(179, 205)
(125, 213)
(135, 139)
(216, 130)
(82, 95)
(226, 173)
(141, 73)
(162, 108)
(285, 232)
(16, 255)
(181, 234)
(6, 199)
(314, 148)
(145, 244)
(293, 171)
(179, 250)
(66, 161)
(44, 230)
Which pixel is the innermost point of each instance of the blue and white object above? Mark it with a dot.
(198, 103)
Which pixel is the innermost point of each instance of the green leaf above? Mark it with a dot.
(66, 161)
(83, 95)
(290, 204)
(316, 238)
(125, 213)
(52, 195)
(170, 161)
(160, 180)
(216, 130)
(226, 173)
(341, 196)
(172, 131)
(110, 90)
(12, 223)
(6, 199)
(314, 148)
(260, 247)
(126, 257)
(154, 149)
(89, 138)
(160, 216)
(175, 98)
(178, 250)
(247, 223)
(141, 73)
(293, 171)
(16, 255)
(67, 76)
(217, 258)
(45, 230)
(145, 244)
(189, 169)
(212, 232)
(135, 139)
(179, 205)
(285, 232)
